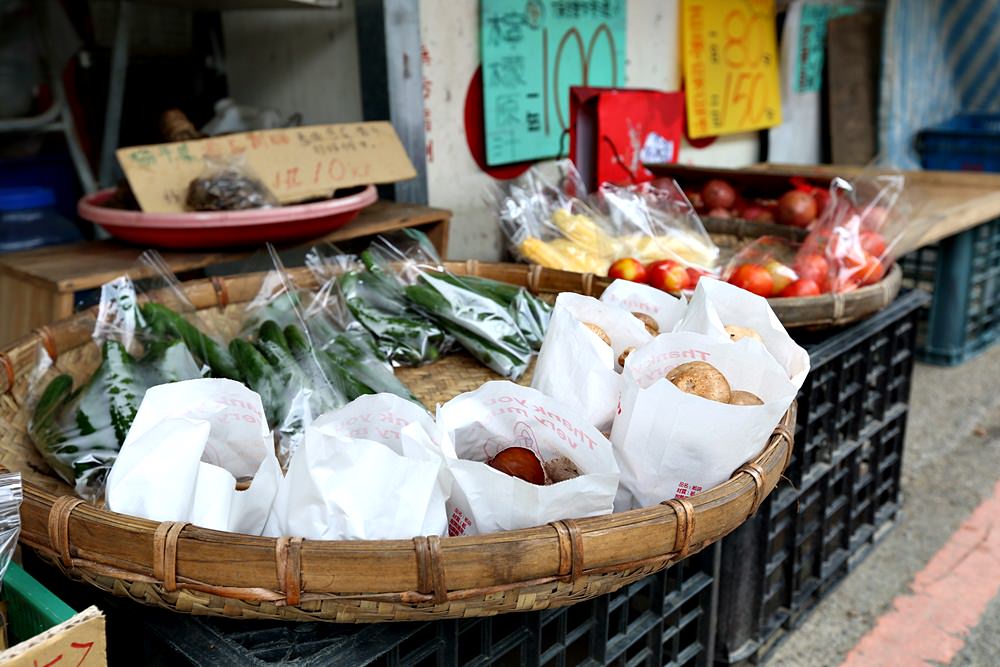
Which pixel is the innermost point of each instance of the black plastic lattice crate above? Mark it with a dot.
(803, 541)
(857, 375)
(664, 619)
(963, 274)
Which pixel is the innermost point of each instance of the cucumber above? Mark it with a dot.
(124, 387)
(257, 374)
(165, 321)
(270, 331)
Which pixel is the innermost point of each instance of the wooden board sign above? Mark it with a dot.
(295, 163)
(77, 642)
(730, 57)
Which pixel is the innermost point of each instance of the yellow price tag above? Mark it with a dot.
(730, 57)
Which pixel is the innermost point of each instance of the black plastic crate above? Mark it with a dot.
(664, 619)
(803, 541)
(857, 375)
(963, 274)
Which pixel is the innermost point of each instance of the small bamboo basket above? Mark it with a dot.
(815, 312)
(190, 569)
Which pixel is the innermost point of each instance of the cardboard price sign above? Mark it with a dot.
(78, 642)
(730, 58)
(295, 163)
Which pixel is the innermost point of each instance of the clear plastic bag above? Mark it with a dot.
(147, 333)
(378, 302)
(547, 220)
(227, 183)
(303, 351)
(496, 323)
(11, 494)
(767, 267)
(867, 223)
(655, 221)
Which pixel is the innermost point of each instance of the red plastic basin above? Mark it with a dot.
(224, 229)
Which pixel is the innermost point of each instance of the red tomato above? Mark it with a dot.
(871, 272)
(694, 275)
(753, 278)
(873, 243)
(801, 287)
(667, 275)
(815, 268)
(629, 269)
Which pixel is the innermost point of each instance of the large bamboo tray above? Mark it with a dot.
(190, 569)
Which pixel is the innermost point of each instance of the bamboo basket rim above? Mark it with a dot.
(174, 565)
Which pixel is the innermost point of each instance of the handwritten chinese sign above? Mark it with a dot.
(812, 44)
(533, 51)
(730, 58)
(295, 164)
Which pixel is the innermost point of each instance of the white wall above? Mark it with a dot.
(307, 61)
(451, 38)
(295, 60)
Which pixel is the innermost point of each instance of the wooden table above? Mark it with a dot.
(43, 285)
(959, 200)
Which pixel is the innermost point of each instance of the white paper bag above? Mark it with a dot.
(370, 470)
(716, 304)
(189, 444)
(576, 366)
(673, 444)
(481, 423)
(664, 308)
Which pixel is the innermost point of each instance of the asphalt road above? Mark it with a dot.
(951, 465)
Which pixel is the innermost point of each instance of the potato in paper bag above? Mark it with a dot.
(576, 366)
(369, 470)
(189, 444)
(664, 308)
(481, 423)
(716, 305)
(670, 444)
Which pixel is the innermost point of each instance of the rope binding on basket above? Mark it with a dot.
(570, 548)
(534, 277)
(839, 303)
(757, 475)
(783, 432)
(288, 562)
(58, 527)
(165, 553)
(48, 341)
(221, 291)
(684, 511)
(430, 568)
(8, 366)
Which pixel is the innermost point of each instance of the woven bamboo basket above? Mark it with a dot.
(190, 569)
(814, 312)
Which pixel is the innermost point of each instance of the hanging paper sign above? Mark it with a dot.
(730, 66)
(533, 52)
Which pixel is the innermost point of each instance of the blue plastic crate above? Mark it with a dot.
(967, 142)
(963, 273)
